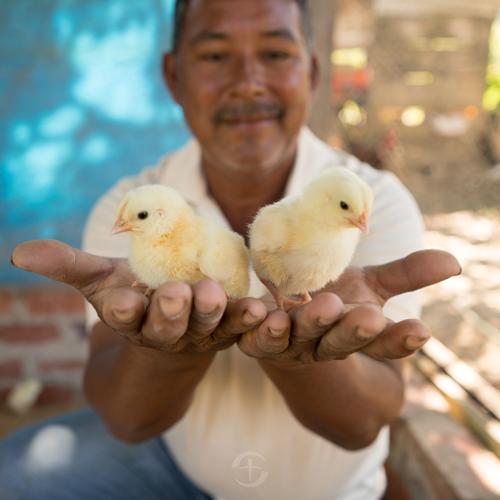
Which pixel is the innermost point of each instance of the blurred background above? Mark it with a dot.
(82, 104)
(411, 86)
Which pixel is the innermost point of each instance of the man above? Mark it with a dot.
(294, 406)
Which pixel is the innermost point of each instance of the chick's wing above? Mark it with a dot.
(224, 258)
(270, 231)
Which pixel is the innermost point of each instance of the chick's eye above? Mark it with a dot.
(142, 215)
(344, 205)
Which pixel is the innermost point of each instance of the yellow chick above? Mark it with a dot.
(170, 242)
(299, 244)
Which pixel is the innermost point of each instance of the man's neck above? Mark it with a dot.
(240, 196)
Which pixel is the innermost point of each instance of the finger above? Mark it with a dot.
(398, 340)
(356, 329)
(61, 262)
(123, 310)
(313, 319)
(168, 314)
(270, 337)
(240, 317)
(209, 303)
(415, 271)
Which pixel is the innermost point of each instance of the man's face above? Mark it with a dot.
(244, 78)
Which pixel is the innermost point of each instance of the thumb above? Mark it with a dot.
(61, 262)
(417, 270)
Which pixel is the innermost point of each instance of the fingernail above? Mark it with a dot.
(363, 334)
(413, 343)
(248, 318)
(325, 321)
(124, 315)
(207, 311)
(275, 333)
(251, 319)
(171, 307)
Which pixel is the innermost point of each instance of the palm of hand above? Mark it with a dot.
(204, 323)
(347, 316)
(339, 320)
(175, 318)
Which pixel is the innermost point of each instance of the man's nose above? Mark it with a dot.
(249, 78)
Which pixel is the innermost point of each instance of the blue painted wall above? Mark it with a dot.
(82, 103)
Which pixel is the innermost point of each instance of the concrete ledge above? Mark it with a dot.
(435, 456)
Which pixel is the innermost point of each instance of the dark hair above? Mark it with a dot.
(181, 7)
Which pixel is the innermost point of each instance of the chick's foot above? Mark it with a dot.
(289, 303)
(147, 291)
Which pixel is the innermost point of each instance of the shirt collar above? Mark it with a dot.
(313, 155)
(184, 173)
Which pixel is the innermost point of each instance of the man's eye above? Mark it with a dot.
(276, 55)
(213, 56)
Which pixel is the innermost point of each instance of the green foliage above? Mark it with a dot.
(491, 99)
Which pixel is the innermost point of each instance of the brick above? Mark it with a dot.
(50, 394)
(80, 328)
(53, 394)
(11, 369)
(66, 365)
(7, 299)
(4, 392)
(28, 333)
(45, 300)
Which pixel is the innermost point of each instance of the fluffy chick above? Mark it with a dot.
(300, 244)
(169, 242)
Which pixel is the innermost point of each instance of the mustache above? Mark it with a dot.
(248, 111)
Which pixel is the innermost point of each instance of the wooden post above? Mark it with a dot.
(323, 15)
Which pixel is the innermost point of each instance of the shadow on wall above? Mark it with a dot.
(83, 103)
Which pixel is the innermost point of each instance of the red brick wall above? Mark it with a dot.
(42, 335)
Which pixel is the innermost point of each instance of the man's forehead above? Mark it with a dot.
(268, 17)
(211, 35)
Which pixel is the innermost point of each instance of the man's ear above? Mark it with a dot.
(314, 73)
(169, 71)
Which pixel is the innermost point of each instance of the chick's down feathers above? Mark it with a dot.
(170, 242)
(299, 244)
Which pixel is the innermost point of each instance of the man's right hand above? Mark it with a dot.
(176, 318)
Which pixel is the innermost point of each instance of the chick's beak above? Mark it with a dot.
(121, 226)
(361, 222)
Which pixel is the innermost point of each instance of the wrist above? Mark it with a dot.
(293, 366)
(169, 362)
(340, 367)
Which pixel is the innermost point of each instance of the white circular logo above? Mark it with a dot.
(251, 474)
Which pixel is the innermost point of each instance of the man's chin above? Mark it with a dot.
(254, 160)
(254, 150)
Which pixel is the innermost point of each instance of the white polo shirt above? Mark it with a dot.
(238, 440)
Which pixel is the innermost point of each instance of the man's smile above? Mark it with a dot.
(249, 114)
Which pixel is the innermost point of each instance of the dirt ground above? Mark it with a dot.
(464, 312)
